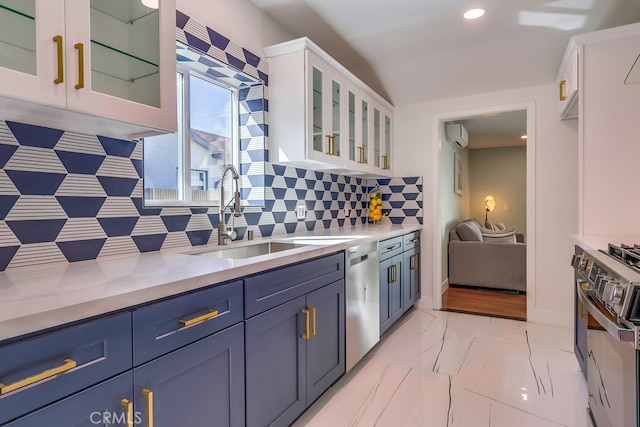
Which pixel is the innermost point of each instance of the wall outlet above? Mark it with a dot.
(506, 208)
(301, 212)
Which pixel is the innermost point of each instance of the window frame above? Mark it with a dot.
(185, 190)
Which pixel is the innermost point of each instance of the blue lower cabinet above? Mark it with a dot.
(38, 371)
(391, 307)
(276, 365)
(410, 278)
(326, 346)
(295, 351)
(99, 405)
(200, 385)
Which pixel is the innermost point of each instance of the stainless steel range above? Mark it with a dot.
(608, 286)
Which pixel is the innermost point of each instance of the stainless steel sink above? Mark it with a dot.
(249, 251)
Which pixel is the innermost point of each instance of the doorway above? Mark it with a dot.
(453, 210)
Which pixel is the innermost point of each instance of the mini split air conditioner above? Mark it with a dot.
(457, 135)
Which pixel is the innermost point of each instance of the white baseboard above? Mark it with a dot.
(425, 303)
(444, 286)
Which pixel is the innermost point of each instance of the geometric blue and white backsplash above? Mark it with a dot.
(68, 197)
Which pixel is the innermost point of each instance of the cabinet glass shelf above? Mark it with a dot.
(125, 50)
(18, 35)
(124, 11)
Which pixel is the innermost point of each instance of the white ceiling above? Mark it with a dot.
(413, 51)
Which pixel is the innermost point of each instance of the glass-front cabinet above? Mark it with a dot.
(327, 109)
(29, 61)
(322, 116)
(105, 59)
(382, 132)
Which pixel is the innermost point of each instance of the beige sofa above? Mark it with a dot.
(488, 264)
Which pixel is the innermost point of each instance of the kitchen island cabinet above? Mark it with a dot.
(103, 67)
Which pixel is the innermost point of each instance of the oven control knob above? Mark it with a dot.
(612, 292)
(617, 294)
(601, 283)
(584, 264)
(576, 260)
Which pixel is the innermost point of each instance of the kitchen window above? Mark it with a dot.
(216, 104)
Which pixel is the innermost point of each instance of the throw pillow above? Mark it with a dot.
(469, 231)
(499, 236)
(495, 227)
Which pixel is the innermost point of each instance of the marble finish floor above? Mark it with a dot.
(446, 369)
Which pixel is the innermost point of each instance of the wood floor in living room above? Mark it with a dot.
(485, 302)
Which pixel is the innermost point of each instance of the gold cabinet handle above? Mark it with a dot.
(581, 311)
(385, 162)
(59, 54)
(361, 154)
(563, 84)
(129, 408)
(395, 273)
(390, 274)
(329, 145)
(306, 334)
(209, 315)
(313, 321)
(149, 395)
(66, 366)
(80, 48)
(412, 262)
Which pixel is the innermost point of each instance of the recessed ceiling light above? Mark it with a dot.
(473, 13)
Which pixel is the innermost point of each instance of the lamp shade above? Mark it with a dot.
(153, 4)
(489, 204)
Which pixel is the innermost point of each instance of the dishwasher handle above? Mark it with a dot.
(357, 260)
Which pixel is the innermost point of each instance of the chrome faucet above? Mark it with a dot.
(223, 234)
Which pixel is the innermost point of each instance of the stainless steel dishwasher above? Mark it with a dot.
(362, 301)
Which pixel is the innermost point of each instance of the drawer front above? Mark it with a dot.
(40, 370)
(168, 325)
(100, 405)
(411, 240)
(390, 247)
(276, 287)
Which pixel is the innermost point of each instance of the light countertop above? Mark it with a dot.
(39, 298)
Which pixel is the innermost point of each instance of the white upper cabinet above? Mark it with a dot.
(323, 117)
(325, 112)
(93, 66)
(567, 81)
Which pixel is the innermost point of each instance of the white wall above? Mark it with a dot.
(239, 20)
(611, 139)
(454, 208)
(502, 173)
(555, 201)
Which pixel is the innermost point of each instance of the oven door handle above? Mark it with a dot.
(619, 332)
